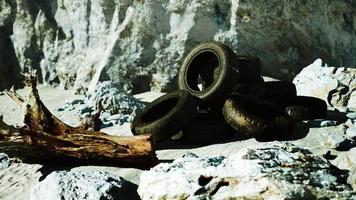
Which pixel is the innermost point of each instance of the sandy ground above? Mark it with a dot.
(16, 181)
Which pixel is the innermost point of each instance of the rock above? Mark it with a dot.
(5, 13)
(352, 177)
(343, 109)
(351, 115)
(268, 171)
(337, 141)
(9, 65)
(334, 85)
(350, 122)
(89, 185)
(118, 107)
(17, 180)
(326, 123)
(4, 161)
(140, 44)
(351, 133)
(347, 160)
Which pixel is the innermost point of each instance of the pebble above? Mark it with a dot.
(4, 161)
(351, 115)
(327, 123)
(351, 133)
(350, 122)
(337, 141)
(343, 109)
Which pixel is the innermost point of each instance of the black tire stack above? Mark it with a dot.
(221, 93)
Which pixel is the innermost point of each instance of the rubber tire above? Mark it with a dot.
(254, 88)
(280, 89)
(249, 67)
(207, 128)
(257, 118)
(198, 61)
(302, 107)
(166, 115)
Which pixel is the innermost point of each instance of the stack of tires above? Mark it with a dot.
(221, 94)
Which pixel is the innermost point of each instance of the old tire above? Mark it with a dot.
(249, 67)
(166, 115)
(302, 107)
(213, 63)
(256, 118)
(254, 88)
(280, 89)
(206, 128)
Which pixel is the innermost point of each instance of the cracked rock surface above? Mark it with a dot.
(269, 171)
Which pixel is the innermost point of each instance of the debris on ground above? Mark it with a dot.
(117, 107)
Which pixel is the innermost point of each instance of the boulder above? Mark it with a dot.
(268, 171)
(88, 185)
(140, 44)
(337, 86)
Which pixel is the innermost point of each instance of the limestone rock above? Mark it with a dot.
(9, 66)
(140, 44)
(5, 13)
(339, 142)
(337, 86)
(351, 115)
(269, 171)
(17, 180)
(4, 161)
(347, 160)
(88, 185)
(351, 133)
(352, 177)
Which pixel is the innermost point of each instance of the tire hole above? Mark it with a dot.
(159, 110)
(203, 70)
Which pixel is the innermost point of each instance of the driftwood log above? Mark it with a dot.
(46, 139)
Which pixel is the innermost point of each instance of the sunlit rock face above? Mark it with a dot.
(335, 85)
(140, 44)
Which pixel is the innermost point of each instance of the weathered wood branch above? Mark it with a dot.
(46, 139)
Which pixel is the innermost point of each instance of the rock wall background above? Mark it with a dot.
(140, 44)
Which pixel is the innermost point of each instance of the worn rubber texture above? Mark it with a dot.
(207, 128)
(302, 107)
(257, 118)
(214, 64)
(280, 88)
(254, 88)
(249, 67)
(166, 115)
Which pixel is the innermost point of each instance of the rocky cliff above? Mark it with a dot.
(140, 44)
